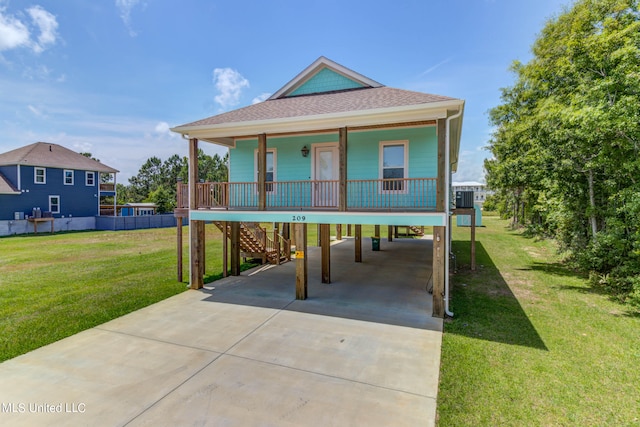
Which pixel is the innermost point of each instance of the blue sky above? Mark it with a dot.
(111, 76)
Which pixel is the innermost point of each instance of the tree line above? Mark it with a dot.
(566, 146)
(156, 179)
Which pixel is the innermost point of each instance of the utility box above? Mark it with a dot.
(464, 199)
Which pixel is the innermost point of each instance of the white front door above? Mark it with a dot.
(325, 175)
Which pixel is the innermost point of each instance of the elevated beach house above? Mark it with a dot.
(45, 181)
(332, 146)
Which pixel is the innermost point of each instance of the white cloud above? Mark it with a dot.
(15, 33)
(48, 26)
(260, 98)
(125, 7)
(229, 84)
(163, 128)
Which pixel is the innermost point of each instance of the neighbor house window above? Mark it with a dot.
(393, 165)
(54, 204)
(40, 175)
(90, 179)
(68, 177)
(271, 168)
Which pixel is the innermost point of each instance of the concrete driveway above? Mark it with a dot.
(361, 351)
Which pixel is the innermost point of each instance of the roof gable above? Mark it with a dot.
(6, 187)
(324, 76)
(45, 154)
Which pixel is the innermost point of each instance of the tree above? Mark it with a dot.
(567, 141)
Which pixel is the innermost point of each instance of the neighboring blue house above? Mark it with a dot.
(53, 180)
(332, 146)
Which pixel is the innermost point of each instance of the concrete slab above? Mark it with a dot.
(93, 378)
(244, 392)
(363, 350)
(188, 320)
(369, 353)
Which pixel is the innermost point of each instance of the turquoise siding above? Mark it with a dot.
(363, 154)
(326, 81)
(362, 164)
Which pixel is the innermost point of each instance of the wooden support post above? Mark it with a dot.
(319, 242)
(338, 231)
(325, 244)
(196, 242)
(473, 240)
(342, 169)
(439, 254)
(442, 167)
(395, 231)
(225, 250)
(262, 172)
(235, 248)
(203, 256)
(390, 233)
(286, 233)
(377, 231)
(349, 230)
(179, 246)
(276, 241)
(358, 243)
(300, 232)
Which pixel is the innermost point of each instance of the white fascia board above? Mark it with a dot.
(408, 113)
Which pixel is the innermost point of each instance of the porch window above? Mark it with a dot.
(271, 169)
(90, 179)
(40, 175)
(68, 177)
(393, 165)
(54, 204)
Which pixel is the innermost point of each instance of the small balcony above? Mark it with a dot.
(398, 195)
(107, 187)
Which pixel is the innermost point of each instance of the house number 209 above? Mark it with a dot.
(299, 218)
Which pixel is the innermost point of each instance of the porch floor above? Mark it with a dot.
(363, 350)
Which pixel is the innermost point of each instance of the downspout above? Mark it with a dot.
(447, 209)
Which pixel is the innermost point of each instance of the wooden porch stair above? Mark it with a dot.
(418, 231)
(255, 243)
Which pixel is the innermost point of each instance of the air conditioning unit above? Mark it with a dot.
(464, 199)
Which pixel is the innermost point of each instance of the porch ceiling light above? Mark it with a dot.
(304, 151)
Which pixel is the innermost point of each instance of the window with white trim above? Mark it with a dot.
(271, 168)
(39, 175)
(54, 204)
(90, 179)
(68, 177)
(394, 165)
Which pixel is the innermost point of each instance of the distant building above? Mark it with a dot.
(48, 178)
(479, 190)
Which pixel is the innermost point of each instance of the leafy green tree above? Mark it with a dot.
(163, 198)
(567, 141)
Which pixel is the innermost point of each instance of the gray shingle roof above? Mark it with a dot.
(45, 154)
(325, 103)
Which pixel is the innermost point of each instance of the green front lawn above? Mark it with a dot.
(531, 344)
(53, 286)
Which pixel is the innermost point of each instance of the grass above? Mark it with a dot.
(53, 286)
(531, 343)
